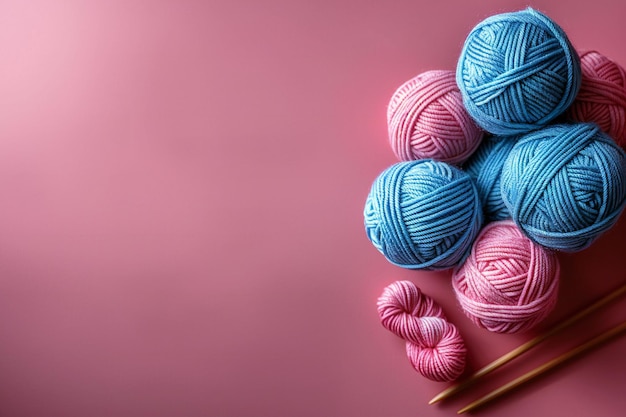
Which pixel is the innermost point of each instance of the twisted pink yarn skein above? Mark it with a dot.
(602, 96)
(427, 119)
(508, 283)
(433, 345)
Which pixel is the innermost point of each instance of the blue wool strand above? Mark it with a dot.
(565, 185)
(517, 72)
(485, 167)
(423, 214)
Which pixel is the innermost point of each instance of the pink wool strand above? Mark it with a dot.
(427, 120)
(508, 284)
(434, 346)
(602, 96)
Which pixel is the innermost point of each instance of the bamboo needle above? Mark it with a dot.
(448, 392)
(598, 340)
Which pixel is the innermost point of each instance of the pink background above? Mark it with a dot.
(181, 230)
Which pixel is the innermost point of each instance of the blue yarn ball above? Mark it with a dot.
(485, 167)
(565, 185)
(423, 214)
(517, 72)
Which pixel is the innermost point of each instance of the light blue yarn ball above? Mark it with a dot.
(423, 214)
(517, 72)
(485, 167)
(565, 185)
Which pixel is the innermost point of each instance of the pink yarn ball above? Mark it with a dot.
(508, 284)
(434, 346)
(602, 96)
(427, 119)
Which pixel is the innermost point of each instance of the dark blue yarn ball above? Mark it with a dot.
(485, 167)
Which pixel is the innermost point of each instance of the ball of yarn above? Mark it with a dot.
(565, 185)
(426, 119)
(485, 168)
(508, 284)
(423, 214)
(517, 72)
(602, 96)
(434, 346)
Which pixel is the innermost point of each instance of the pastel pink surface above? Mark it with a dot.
(181, 226)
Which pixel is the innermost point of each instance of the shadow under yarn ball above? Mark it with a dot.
(485, 168)
(517, 72)
(508, 284)
(565, 185)
(423, 214)
(427, 119)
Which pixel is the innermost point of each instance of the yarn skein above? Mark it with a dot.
(427, 120)
(517, 72)
(485, 168)
(508, 284)
(423, 214)
(565, 185)
(602, 96)
(434, 346)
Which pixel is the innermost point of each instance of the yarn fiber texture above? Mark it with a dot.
(423, 214)
(427, 119)
(485, 168)
(434, 346)
(508, 284)
(517, 72)
(564, 185)
(602, 96)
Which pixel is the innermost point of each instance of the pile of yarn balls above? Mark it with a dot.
(513, 158)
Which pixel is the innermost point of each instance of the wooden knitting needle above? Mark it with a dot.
(448, 392)
(598, 340)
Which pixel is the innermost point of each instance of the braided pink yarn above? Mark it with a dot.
(427, 119)
(602, 96)
(434, 346)
(508, 283)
